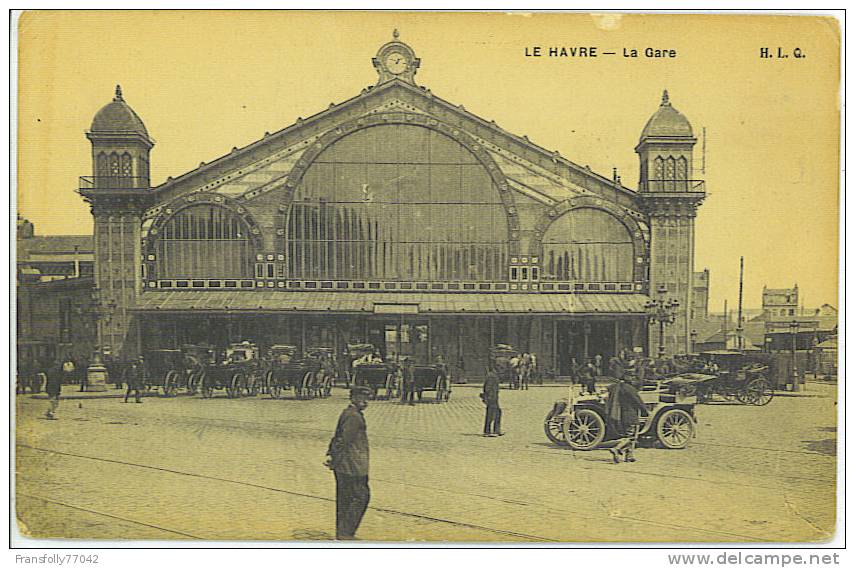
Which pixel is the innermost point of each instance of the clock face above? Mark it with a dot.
(397, 63)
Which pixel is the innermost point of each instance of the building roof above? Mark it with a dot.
(293, 135)
(208, 301)
(118, 116)
(55, 244)
(667, 121)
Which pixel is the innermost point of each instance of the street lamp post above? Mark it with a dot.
(794, 329)
(662, 312)
(97, 373)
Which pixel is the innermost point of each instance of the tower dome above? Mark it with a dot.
(117, 116)
(667, 122)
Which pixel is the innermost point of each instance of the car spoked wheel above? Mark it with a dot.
(553, 427)
(675, 429)
(584, 430)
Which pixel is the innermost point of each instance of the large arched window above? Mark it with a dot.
(397, 202)
(587, 245)
(204, 241)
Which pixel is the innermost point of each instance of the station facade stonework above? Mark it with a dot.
(394, 218)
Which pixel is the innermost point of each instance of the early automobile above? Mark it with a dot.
(581, 421)
(736, 376)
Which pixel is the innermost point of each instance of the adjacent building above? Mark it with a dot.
(396, 218)
(780, 303)
(55, 309)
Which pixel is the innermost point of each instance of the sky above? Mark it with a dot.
(204, 82)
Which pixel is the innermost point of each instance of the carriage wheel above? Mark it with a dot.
(274, 389)
(760, 392)
(744, 396)
(207, 389)
(234, 387)
(170, 383)
(192, 383)
(585, 430)
(306, 386)
(675, 429)
(553, 426)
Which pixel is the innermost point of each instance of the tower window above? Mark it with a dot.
(126, 165)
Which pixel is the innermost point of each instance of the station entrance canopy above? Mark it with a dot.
(198, 301)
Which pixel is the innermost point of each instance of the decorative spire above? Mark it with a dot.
(665, 101)
(118, 96)
(395, 34)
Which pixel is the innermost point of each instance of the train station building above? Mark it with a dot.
(395, 218)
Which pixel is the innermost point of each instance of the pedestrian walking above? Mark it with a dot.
(524, 370)
(54, 390)
(623, 409)
(83, 372)
(348, 458)
(490, 397)
(408, 393)
(134, 378)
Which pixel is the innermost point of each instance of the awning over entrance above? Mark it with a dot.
(206, 301)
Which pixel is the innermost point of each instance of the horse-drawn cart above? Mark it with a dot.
(736, 376)
(431, 378)
(377, 376)
(237, 370)
(165, 369)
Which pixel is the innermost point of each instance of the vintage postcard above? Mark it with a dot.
(426, 277)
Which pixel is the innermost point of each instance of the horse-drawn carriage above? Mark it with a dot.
(581, 421)
(734, 375)
(378, 376)
(165, 369)
(500, 362)
(308, 376)
(431, 378)
(237, 369)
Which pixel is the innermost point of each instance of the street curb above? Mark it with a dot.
(83, 396)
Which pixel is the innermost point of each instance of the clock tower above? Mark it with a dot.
(396, 60)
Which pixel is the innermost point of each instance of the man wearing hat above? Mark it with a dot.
(348, 458)
(134, 379)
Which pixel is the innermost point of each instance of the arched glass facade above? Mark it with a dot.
(204, 241)
(587, 245)
(397, 202)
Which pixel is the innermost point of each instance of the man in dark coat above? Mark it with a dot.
(348, 458)
(134, 380)
(490, 397)
(53, 389)
(408, 392)
(623, 408)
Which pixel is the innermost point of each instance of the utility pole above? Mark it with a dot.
(739, 329)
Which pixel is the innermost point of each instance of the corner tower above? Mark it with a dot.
(670, 196)
(118, 192)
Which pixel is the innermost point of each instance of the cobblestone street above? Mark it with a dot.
(193, 468)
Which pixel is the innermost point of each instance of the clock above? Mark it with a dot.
(397, 62)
